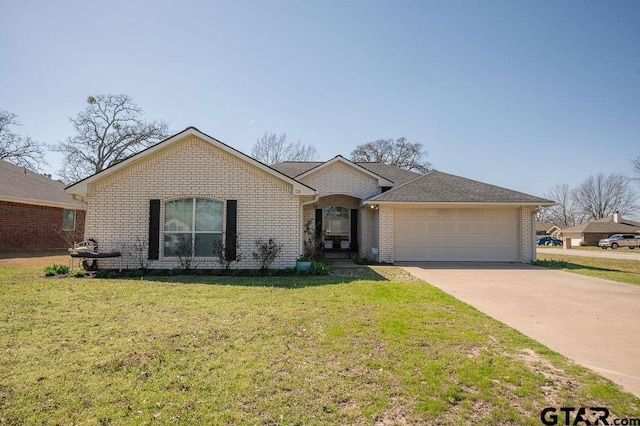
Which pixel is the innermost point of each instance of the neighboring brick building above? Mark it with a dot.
(590, 233)
(193, 188)
(36, 213)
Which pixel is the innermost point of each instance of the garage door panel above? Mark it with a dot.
(456, 234)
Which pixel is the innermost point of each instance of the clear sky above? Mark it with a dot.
(521, 94)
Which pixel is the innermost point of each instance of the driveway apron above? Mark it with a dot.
(592, 321)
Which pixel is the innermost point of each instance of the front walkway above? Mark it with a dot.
(592, 321)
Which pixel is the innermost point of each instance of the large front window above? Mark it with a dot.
(336, 222)
(192, 227)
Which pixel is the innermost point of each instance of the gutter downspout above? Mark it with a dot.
(316, 198)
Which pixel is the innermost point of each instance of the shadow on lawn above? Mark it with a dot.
(570, 265)
(335, 276)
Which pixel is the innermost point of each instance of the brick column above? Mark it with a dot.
(526, 234)
(386, 235)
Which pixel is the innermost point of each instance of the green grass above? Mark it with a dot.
(624, 250)
(361, 346)
(621, 270)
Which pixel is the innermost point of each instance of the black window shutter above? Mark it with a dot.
(232, 229)
(354, 230)
(318, 221)
(154, 229)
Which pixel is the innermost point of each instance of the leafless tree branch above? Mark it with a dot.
(109, 130)
(271, 149)
(602, 195)
(20, 150)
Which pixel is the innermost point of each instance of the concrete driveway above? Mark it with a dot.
(592, 321)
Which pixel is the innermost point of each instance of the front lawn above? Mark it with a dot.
(621, 270)
(362, 346)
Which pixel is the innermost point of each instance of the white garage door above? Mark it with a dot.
(456, 235)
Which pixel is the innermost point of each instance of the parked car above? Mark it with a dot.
(548, 241)
(620, 240)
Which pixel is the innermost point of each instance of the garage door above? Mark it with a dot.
(456, 235)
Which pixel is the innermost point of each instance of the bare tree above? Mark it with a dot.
(20, 150)
(601, 196)
(636, 165)
(109, 130)
(399, 152)
(564, 213)
(271, 149)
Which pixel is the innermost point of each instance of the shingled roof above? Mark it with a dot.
(606, 225)
(542, 226)
(295, 168)
(20, 185)
(439, 187)
(395, 174)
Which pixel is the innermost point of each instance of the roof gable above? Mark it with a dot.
(439, 187)
(340, 159)
(84, 186)
(542, 226)
(20, 185)
(392, 173)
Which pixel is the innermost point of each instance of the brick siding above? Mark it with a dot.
(118, 211)
(527, 235)
(341, 178)
(386, 242)
(25, 227)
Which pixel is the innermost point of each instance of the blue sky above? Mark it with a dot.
(519, 94)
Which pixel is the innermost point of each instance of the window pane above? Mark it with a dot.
(178, 215)
(205, 244)
(336, 221)
(208, 215)
(177, 243)
(68, 220)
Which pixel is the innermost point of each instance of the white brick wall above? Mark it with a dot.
(119, 207)
(340, 178)
(368, 234)
(527, 234)
(386, 241)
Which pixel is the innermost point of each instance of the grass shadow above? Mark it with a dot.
(571, 265)
(336, 276)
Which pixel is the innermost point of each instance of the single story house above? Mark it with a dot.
(35, 211)
(589, 233)
(192, 187)
(547, 228)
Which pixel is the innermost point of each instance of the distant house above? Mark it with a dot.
(35, 212)
(547, 228)
(194, 191)
(590, 233)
